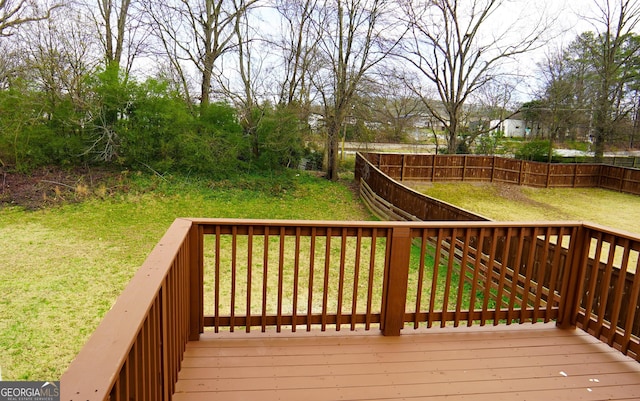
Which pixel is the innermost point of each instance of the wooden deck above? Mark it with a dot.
(516, 362)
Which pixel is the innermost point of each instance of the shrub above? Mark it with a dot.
(537, 150)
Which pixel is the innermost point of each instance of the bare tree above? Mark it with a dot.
(354, 39)
(14, 13)
(298, 44)
(454, 47)
(249, 71)
(198, 32)
(120, 29)
(61, 54)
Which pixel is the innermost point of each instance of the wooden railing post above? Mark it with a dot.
(398, 274)
(572, 280)
(196, 282)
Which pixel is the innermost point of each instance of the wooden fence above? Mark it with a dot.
(620, 161)
(391, 200)
(472, 168)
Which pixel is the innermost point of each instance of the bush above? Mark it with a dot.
(537, 150)
(279, 139)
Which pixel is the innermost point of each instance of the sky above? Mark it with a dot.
(569, 19)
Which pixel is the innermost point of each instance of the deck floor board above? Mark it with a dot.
(523, 362)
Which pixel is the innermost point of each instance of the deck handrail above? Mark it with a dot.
(137, 348)
(390, 276)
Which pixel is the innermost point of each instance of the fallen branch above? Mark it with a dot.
(154, 171)
(58, 183)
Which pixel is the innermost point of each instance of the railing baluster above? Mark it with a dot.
(343, 251)
(447, 285)
(312, 259)
(216, 291)
(555, 273)
(489, 273)
(463, 276)
(325, 286)
(474, 282)
(249, 266)
(631, 310)
(542, 271)
(372, 264)
(514, 278)
(434, 278)
(280, 279)
(265, 279)
(618, 291)
(593, 281)
(421, 269)
(503, 276)
(356, 279)
(296, 277)
(234, 269)
(528, 273)
(604, 288)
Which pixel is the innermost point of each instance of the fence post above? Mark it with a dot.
(572, 282)
(196, 282)
(398, 274)
(493, 168)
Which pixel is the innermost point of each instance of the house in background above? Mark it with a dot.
(512, 128)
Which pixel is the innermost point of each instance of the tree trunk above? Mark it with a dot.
(333, 139)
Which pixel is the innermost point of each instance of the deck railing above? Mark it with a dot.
(295, 275)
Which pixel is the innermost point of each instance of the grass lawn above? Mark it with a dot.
(514, 203)
(61, 268)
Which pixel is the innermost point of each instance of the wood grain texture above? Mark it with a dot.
(523, 362)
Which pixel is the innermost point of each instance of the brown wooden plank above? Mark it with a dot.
(508, 379)
(524, 362)
(517, 367)
(232, 351)
(609, 386)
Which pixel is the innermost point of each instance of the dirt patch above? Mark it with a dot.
(514, 193)
(53, 185)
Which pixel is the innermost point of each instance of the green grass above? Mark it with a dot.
(515, 203)
(61, 268)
